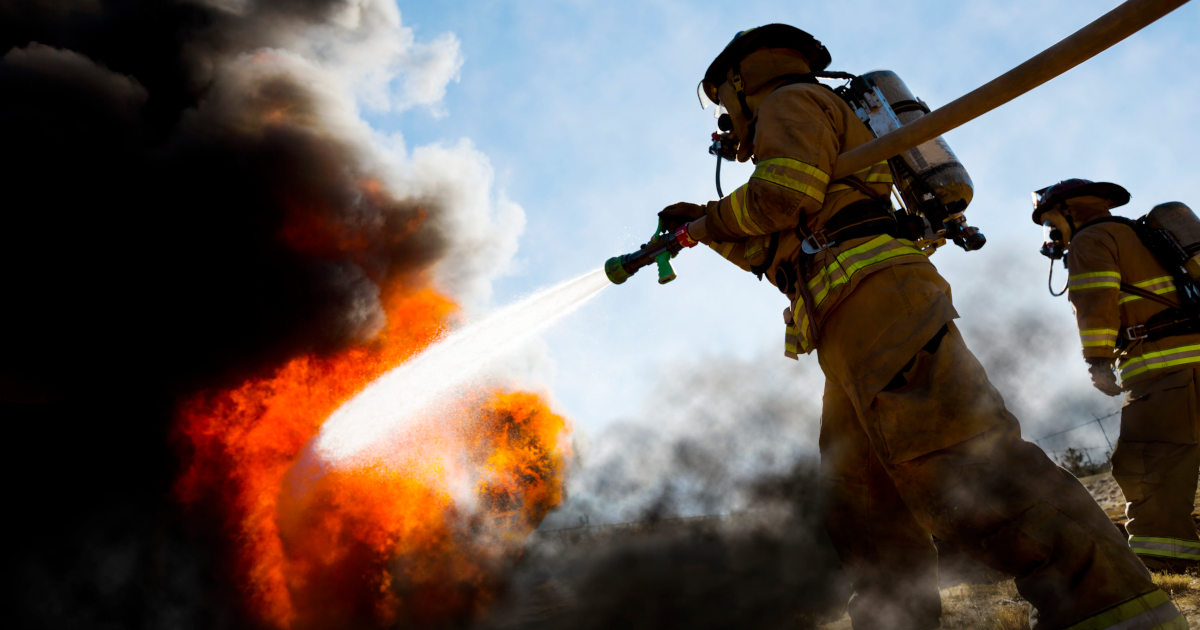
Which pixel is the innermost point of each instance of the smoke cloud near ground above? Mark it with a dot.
(702, 511)
(192, 196)
(714, 428)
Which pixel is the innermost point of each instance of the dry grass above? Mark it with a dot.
(987, 606)
(999, 607)
(975, 606)
(1185, 591)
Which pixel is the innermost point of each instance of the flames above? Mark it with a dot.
(421, 542)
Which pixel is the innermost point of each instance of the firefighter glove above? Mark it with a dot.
(1104, 379)
(680, 213)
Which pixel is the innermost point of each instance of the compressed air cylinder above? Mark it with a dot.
(1180, 222)
(932, 161)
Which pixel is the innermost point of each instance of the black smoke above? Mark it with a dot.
(703, 510)
(770, 566)
(177, 213)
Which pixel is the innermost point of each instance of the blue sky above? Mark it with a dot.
(587, 112)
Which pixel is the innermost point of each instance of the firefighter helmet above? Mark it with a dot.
(750, 40)
(1054, 195)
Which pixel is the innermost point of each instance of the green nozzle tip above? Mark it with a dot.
(615, 270)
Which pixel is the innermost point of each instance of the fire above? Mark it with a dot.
(421, 542)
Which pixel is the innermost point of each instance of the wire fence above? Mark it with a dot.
(1097, 420)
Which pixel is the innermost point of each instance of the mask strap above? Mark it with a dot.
(740, 87)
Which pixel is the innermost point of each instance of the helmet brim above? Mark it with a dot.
(1116, 195)
(769, 36)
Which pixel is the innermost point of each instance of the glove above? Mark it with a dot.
(680, 213)
(1104, 379)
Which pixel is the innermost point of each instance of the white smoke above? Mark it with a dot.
(361, 57)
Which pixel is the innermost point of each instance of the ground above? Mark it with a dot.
(997, 606)
(767, 568)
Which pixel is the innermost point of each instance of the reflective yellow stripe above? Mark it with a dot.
(1165, 547)
(754, 246)
(839, 272)
(802, 338)
(1098, 337)
(880, 173)
(741, 214)
(795, 165)
(791, 342)
(1152, 611)
(1159, 286)
(1145, 284)
(1094, 280)
(794, 175)
(853, 260)
(1159, 360)
(724, 249)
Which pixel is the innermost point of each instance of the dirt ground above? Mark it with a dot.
(995, 604)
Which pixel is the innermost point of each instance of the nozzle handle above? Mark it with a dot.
(665, 272)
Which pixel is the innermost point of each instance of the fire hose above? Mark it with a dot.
(1089, 41)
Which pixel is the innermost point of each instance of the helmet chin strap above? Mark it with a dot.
(1070, 224)
(740, 87)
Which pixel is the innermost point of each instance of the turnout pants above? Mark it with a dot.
(1156, 463)
(935, 451)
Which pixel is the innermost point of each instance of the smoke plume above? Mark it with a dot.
(191, 197)
(702, 511)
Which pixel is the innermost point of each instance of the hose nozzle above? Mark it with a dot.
(661, 249)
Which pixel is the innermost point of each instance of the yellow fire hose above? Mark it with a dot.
(1089, 41)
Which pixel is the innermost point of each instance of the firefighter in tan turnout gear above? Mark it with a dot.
(914, 439)
(1128, 308)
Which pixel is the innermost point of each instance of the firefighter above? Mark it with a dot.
(1116, 285)
(914, 438)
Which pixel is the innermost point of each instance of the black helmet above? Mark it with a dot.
(1051, 196)
(750, 40)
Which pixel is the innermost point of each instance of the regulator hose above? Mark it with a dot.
(720, 195)
(1050, 281)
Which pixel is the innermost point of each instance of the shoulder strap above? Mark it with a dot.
(1130, 223)
(854, 182)
(1149, 295)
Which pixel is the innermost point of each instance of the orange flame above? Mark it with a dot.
(368, 546)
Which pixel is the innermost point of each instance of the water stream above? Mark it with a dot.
(373, 419)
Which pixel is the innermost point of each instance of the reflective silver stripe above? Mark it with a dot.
(1159, 286)
(1098, 337)
(1152, 611)
(1154, 619)
(1165, 547)
(1094, 280)
(1159, 360)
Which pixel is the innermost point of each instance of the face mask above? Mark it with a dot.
(1053, 247)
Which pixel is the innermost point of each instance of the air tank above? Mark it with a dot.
(1180, 222)
(932, 161)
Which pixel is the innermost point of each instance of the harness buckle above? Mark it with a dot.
(1134, 333)
(815, 242)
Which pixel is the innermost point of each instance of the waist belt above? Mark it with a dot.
(869, 217)
(1169, 323)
